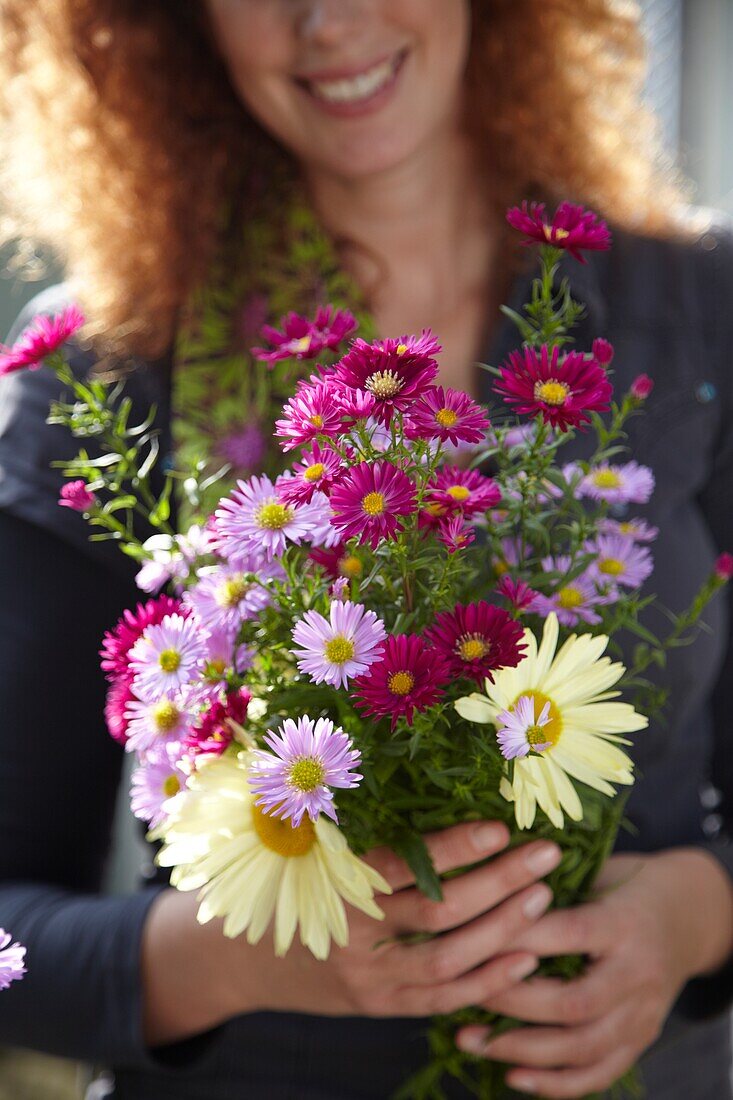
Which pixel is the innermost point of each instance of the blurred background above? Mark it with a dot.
(690, 85)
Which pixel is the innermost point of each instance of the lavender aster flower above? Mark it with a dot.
(334, 651)
(157, 779)
(619, 561)
(167, 657)
(255, 520)
(520, 732)
(309, 758)
(225, 596)
(638, 530)
(157, 721)
(12, 957)
(629, 483)
(573, 602)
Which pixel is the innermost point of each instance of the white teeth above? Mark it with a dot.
(353, 89)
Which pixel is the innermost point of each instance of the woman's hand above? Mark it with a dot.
(657, 922)
(194, 978)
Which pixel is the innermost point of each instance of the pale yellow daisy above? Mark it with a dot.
(584, 727)
(250, 866)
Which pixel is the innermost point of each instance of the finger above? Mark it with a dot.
(459, 846)
(582, 930)
(602, 988)
(440, 1000)
(568, 1084)
(455, 953)
(547, 1047)
(475, 892)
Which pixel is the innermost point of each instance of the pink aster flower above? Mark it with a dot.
(215, 728)
(370, 500)
(408, 677)
(456, 490)
(519, 731)
(339, 561)
(336, 649)
(574, 601)
(619, 561)
(255, 520)
(12, 958)
(724, 566)
(119, 696)
(448, 415)
(573, 228)
(563, 389)
(320, 514)
(638, 530)
(158, 778)
(313, 411)
(225, 596)
(628, 483)
(641, 387)
(477, 639)
(44, 335)
(117, 643)
(157, 721)
(339, 590)
(602, 351)
(395, 372)
(224, 656)
(355, 404)
(455, 533)
(319, 469)
(167, 657)
(76, 495)
(516, 592)
(301, 338)
(307, 759)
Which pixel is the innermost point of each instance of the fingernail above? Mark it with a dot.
(537, 901)
(490, 836)
(523, 969)
(474, 1041)
(521, 1084)
(543, 859)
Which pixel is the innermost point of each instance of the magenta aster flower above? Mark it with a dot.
(641, 387)
(336, 649)
(575, 600)
(225, 596)
(564, 390)
(369, 501)
(355, 404)
(167, 657)
(477, 639)
(12, 958)
(448, 415)
(119, 696)
(254, 520)
(44, 335)
(301, 338)
(573, 228)
(455, 533)
(516, 592)
(117, 643)
(628, 483)
(408, 677)
(158, 778)
(319, 469)
(519, 731)
(456, 490)
(76, 495)
(603, 351)
(638, 530)
(153, 722)
(395, 372)
(307, 759)
(619, 561)
(313, 411)
(215, 728)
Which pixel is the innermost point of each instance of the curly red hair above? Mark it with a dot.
(121, 133)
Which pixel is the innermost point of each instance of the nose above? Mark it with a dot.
(327, 22)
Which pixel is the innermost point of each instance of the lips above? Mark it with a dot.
(356, 88)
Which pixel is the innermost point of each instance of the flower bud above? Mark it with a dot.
(724, 567)
(77, 496)
(641, 387)
(602, 351)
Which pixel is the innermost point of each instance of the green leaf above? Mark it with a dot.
(411, 847)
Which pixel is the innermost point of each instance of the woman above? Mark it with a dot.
(130, 129)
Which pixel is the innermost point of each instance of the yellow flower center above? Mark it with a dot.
(446, 417)
(171, 786)
(314, 471)
(339, 649)
(169, 660)
(458, 493)
(500, 568)
(606, 479)
(350, 566)
(217, 668)
(280, 836)
(555, 235)
(552, 730)
(435, 509)
(273, 515)
(551, 392)
(232, 590)
(400, 349)
(166, 715)
(536, 735)
(401, 683)
(373, 504)
(384, 384)
(303, 344)
(627, 528)
(316, 420)
(306, 774)
(611, 566)
(570, 597)
(472, 647)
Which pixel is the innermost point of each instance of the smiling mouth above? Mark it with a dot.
(353, 90)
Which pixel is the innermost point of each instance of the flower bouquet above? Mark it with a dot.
(412, 626)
